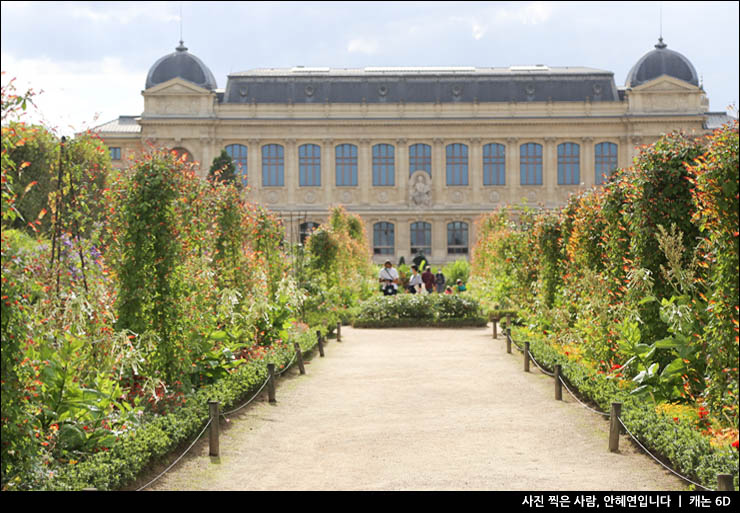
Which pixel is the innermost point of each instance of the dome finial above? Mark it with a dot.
(182, 47)
(661, 44)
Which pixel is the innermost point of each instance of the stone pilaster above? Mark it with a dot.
(364, 171)
(439, 174)
(328, 174)
(588, 173)
(402, 170)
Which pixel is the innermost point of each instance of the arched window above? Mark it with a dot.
(273, 166)
(457, 238)
(420, 158)
(384, 172)
(457, 164)
(238, 154)
(494, 164)
(346, 162)
(384, 238)
(421, 238)
(530, 164)
(305, 230)
(569, 164)
(309, 165)
(605, 162)
(182, 153)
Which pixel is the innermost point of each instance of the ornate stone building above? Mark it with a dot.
(418, 152)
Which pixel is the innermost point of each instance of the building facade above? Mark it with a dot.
(420, 152)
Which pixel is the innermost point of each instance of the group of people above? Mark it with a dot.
(425, 281)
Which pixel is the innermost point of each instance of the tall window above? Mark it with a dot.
(305, 230)
(421, 238)
(420, 158)
(457, 164)
(605, 161)
(383, 239)
(115, 153)
(494, 164)
(569, 164)
(273, 166)
(384, 165)
(457, 238)
(238, 154)
(346, 160)
(530, 164)
(309, 165)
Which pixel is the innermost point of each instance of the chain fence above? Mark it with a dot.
(633, 437)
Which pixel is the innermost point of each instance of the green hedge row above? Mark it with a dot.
(134, 453)
(681, 446)
(425, 309)
(474, 322)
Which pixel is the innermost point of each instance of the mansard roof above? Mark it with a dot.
(420, 85)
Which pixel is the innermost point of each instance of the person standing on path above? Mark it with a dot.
(389, 279)
(415, 283)
(428, 278)
(440, 281)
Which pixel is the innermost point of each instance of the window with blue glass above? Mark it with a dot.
(420, 158)
(346, 163)
(238, 154)
(494, 164)
(605, 155)
(421, 238)
(530, 164)
(457, 164)
(569, 164)
(115, 153)
(273, 166)
(309, 165)
(457, 238)
(383, 238)
(384, 172)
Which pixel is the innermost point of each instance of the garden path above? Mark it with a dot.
(416, 409)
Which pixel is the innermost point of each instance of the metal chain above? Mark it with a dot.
(656, 459)
(179, 458)
(531, 357)
(587, 407)
(250, 400)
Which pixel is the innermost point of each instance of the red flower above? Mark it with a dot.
(736, 443)
(675, 419)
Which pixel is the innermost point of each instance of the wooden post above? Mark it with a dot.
(339, 331)
(299, 357)
(495, 331)
(558, 383)
(526, 357)
(724, 482)
(213, 449)
(271, 382)
(616, 411)
(508, 323)
(321, 343)
(508, 340)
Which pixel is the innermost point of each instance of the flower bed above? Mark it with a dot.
(677, 442)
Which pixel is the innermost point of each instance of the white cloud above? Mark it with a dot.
(368, 46)
(533, 13)
(72, 96)
(126, 13)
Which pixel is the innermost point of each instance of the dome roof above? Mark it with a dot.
(661, 61)
(181, 64)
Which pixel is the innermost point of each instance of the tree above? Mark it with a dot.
(224, 170)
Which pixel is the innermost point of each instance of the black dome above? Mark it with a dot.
(181, 64)
(661, 61)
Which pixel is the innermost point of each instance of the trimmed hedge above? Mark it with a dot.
(477, 322)
(406, 310)
(136, 451)
(680, 445)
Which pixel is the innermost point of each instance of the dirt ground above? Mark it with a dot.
(416, 409)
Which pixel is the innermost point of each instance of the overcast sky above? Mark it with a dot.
(90, 59)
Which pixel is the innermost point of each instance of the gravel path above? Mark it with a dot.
(416, 409)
